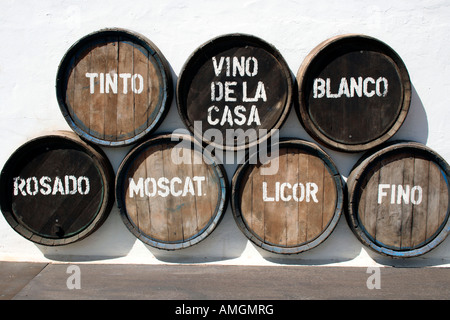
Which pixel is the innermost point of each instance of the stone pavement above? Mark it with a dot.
(56, 281)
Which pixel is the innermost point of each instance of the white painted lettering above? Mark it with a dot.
(109, 82)
(218, 67)
(381, 192)
(400, 194)
(69, 185)
(319, 85)
(236, 66)
(369, 87)
(163, 187)
(91, 77)
(416, 195)
(368, 93)
(285, 191)
(229, 91)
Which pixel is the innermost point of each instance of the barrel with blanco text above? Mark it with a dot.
(234, 90)
(354, 93)
(171, 192)
(114, 87)
(56, 189)
(289, 200)
(399, 200)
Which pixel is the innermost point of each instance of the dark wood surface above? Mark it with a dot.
(399, 199)
(235, 82)
(114, 87)
(354, 93)
(56, 189)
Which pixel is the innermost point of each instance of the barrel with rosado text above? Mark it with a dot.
(399, 200)
(234, 91)
(56, 189)
(114, 87)
(289, 200)
(171, 192)
(354, 93)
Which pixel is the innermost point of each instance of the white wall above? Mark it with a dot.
(36, 34)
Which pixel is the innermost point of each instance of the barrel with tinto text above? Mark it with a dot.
(114, 87)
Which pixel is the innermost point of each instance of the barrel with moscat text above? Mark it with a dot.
(171, 192)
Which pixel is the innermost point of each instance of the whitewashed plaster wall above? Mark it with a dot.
(36, 34)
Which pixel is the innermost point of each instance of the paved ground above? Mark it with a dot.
(204, 282)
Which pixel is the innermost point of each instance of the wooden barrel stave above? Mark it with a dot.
(182, 217)
(327, 114)
(273, 221)
(114, 87)
(408, 215)
(218, 88)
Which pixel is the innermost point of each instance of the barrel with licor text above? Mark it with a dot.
(399, 200)
(290, 200)
(171, 192)
(354, 93)
(114, 87)
(56, 189)
(234, 91)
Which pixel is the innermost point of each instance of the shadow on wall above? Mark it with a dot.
(111, 240)
(226, 242)
(415, 126)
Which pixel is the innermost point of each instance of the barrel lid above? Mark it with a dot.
(354, 92)
(171, 192)
(114, 87)
(56, 189)
(233, 90)
(288, 202)
(399, 200)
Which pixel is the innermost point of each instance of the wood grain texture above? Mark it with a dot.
(114, 87)
(399, 200)
(170, 204)
(293, 210)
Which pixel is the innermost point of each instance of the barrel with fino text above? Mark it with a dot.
(399, 200)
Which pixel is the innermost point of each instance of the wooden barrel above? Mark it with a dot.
(233, 90)
(354, 93)
(56, 189)
(171, 192)
(114, 87)
(291, 203)
(399, 200)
